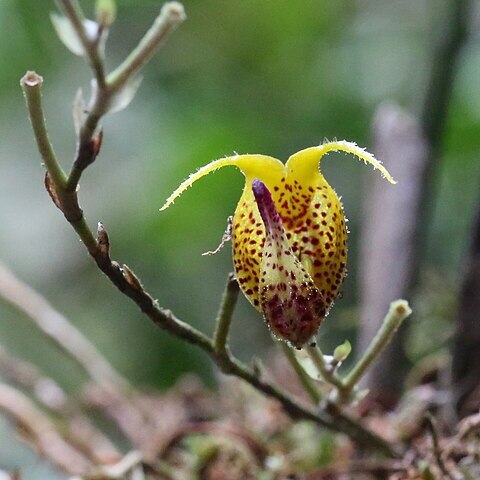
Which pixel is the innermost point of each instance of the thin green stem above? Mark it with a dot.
(76, 17)
(302, 375)
(224, 317)
(326, 371)
(85, 234)
(31, 84)
(398, 312)
(171, 16)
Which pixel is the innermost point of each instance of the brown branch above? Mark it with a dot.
(58, 329)
(41, 433)
(71, 341)
(80, 431)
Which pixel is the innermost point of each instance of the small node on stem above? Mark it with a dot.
(131, 278)
(97, 144)
(103, 241)
(52, 192)
(31, 79)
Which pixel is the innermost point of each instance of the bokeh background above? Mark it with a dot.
(268, 77)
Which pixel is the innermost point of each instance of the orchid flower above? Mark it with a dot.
(289, 237)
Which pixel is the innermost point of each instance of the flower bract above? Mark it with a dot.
(289, 236)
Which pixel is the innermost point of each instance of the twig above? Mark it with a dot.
(41, 432)
(467, 426)
(120, 469)
(80, 432)
(71, 341)
(58, 329)
(336, 420)
(131, 419)
(302, 375)
(458, 443)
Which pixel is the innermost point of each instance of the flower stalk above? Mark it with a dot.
(224, 317)
(326, 371)
(302, 375)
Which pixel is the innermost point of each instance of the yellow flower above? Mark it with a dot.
(288, 237)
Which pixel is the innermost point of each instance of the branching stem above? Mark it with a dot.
(326, 371)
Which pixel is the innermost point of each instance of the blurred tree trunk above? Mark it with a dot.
(389, 240)
(466, 349)
(396, 221)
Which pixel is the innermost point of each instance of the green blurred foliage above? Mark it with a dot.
(252, 77)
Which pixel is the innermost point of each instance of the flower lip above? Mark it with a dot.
(293, 307)
(265, 204)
